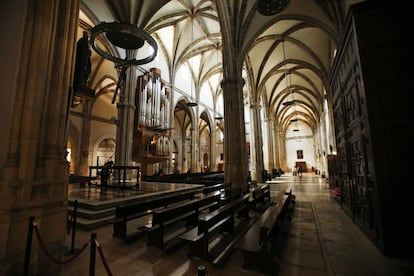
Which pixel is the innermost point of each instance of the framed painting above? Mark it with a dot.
(299, 154)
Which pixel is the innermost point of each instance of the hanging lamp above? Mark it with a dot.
(289, 102)
(272, 7)
(192, 103)
(125, 36)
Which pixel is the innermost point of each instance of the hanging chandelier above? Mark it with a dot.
(291, 90)
(125, 36)
(272, 7)
(287, 78)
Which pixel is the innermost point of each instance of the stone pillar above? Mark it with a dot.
(256, 140)
(182, 152)
(282, 148)
(194, 147)
(275, 142)
(126, 109)
(270, 163)
(34, 176)
(172, 133)
(85, 140)
(324, 144)
(213, 147)
(235, 151)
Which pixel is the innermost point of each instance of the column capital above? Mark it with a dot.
(233, 80)
(255, 105)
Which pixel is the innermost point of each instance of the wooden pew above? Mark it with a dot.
(261, 198)
(220, 220)
(215, 187)
(128, 212)
(255, 243)
(186, 212)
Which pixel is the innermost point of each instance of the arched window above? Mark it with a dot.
(106, 151)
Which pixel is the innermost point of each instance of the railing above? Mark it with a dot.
(123, 175)
(94, 245)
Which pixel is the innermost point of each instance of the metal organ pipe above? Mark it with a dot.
(154, 108)
(148, 103)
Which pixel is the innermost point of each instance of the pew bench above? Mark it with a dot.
(217, 222)
(215, 187)
(128, 212)
(261, 199)
(170, 217)
(256, 243)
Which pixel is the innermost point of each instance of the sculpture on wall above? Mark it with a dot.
(82, 71)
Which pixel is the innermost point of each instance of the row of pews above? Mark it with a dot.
(263, 242)
(212, 223)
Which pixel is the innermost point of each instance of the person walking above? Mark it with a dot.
(299, 172)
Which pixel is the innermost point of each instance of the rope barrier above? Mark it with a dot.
(53, 259)
(108, 270)
(94, 244)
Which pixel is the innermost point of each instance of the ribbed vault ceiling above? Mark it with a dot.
(287, 56)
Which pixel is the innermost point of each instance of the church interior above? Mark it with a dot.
(205, 137)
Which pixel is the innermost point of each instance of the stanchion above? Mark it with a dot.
(28, 247)
(92, 258)
(75, 214)
(201, 271)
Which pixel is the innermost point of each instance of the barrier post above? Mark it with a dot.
(201, 271)
(28, 247)
(92, 258)
(75, 212)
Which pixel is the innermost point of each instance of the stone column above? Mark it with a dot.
(213, 150)
(235, 151)
(34, 176)
(126, 109)
(194, 147)
(282, 148)
(275, 142)
(256, 145)
(324, 143)
(270, 163)
(85, 140)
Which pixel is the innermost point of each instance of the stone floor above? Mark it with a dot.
(322, 240)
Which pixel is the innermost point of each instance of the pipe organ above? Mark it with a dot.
(151, 141)
(154, 101)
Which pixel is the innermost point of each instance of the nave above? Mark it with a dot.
(322, 240)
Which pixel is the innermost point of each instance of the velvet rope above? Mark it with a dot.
(56, 261)
(108, 270)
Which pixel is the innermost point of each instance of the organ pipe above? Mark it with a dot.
(153, 109)
(154, 101)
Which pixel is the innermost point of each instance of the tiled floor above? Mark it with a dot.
(322, 240)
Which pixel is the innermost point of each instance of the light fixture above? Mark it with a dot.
(287, 103)
(296, 121)
(192, 103)
(291, 90)
(126, 36)
(271, 7)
